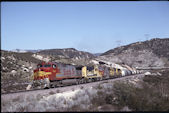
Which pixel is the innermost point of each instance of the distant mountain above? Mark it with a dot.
(19, 51)
(24, 51)
(97, 54)
(34, 51)
(154, 52)
(67, 53)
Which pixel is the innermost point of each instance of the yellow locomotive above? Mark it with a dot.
(97, 72)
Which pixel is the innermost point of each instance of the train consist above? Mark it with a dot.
(52, 74)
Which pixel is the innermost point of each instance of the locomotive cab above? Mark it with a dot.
(43, 74)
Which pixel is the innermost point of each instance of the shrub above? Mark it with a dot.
(73, 89)
(58, 91)
(81, 87)
(123, 92)
(52, 92)
(153, 96)
(39, 97)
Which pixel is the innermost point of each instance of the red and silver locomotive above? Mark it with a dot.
(52, 74)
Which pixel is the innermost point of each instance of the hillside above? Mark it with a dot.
(12, 60)
(154, 52)
(67, 53)
(17, 66)
(16, 69)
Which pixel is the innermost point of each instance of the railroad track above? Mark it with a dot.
(34, 90)
(45, 92)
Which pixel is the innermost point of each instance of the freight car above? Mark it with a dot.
(52, 74)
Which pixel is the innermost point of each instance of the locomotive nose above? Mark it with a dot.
(41, 74)
(38, 75)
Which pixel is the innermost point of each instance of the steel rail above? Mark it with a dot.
(66, 85)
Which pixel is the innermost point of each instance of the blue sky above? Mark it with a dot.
(87, 26)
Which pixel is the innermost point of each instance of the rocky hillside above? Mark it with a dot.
(18, 66)
(13, 60)
(67, 53)
(154, 52)
(67, 56)
(16, 69)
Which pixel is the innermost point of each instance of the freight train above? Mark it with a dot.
(53, 74)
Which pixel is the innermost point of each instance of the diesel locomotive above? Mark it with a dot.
(53, 74)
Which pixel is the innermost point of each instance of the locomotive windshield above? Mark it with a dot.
(46, 65)
(40, 66)
(90, 68)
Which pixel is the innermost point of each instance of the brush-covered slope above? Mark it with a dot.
(151, 53)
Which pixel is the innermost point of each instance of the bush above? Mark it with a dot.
(52, 92)
(123, 93)
(153, 96)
